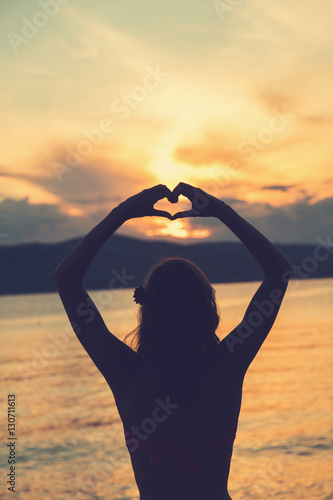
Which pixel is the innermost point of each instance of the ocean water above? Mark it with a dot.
(70, 443)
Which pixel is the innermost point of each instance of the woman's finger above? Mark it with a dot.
(181, 215)
(159, 192)
(161, 213)
(184, 189)
(159, 187)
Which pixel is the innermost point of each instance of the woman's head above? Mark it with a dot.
(179, 315)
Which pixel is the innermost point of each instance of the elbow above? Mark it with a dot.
(56, 273)
(61, 273)
(281, 273)
(286, 272)
(288, 268)
(55, 277)
(58, 276)
(65, 280)
(285, 267)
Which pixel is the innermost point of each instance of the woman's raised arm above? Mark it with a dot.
(243, 343)
(109, 354)
(74, 266)
(269, 258)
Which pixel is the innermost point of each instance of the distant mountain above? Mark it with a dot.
(123, 262)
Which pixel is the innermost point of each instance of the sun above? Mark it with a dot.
(177, 229)
(164, 167)
(169, 173)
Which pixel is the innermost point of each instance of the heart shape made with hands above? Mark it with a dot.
(182, 207)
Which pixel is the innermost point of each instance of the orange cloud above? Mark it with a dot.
(212, 149)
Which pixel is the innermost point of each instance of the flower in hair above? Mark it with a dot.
(139, 294)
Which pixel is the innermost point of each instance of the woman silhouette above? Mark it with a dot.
(179, 392)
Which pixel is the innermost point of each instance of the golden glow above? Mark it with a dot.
(184, 204)
(164, 167)
(232, 128)
(178, 229)
(200, 233)
(73, 211)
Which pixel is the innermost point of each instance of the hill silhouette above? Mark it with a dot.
(27, 268)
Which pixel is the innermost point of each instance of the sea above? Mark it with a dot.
(67, 438)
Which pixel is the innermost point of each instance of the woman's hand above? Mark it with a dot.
(203, 204)
(141, 204)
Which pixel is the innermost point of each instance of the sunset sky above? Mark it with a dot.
(103, 99)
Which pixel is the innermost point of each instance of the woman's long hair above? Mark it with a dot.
(177, 322)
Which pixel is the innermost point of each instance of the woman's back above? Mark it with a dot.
(181, 449)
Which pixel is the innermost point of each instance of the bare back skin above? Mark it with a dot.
(209, 415)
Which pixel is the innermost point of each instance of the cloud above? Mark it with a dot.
(226, 79)
(307, 221)
(212, 148)
(277, 98)
(31, 223)
(279, 188)
(287, 98)
(102, 180)
(318, 120)
(300, 222)
(25, 222)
